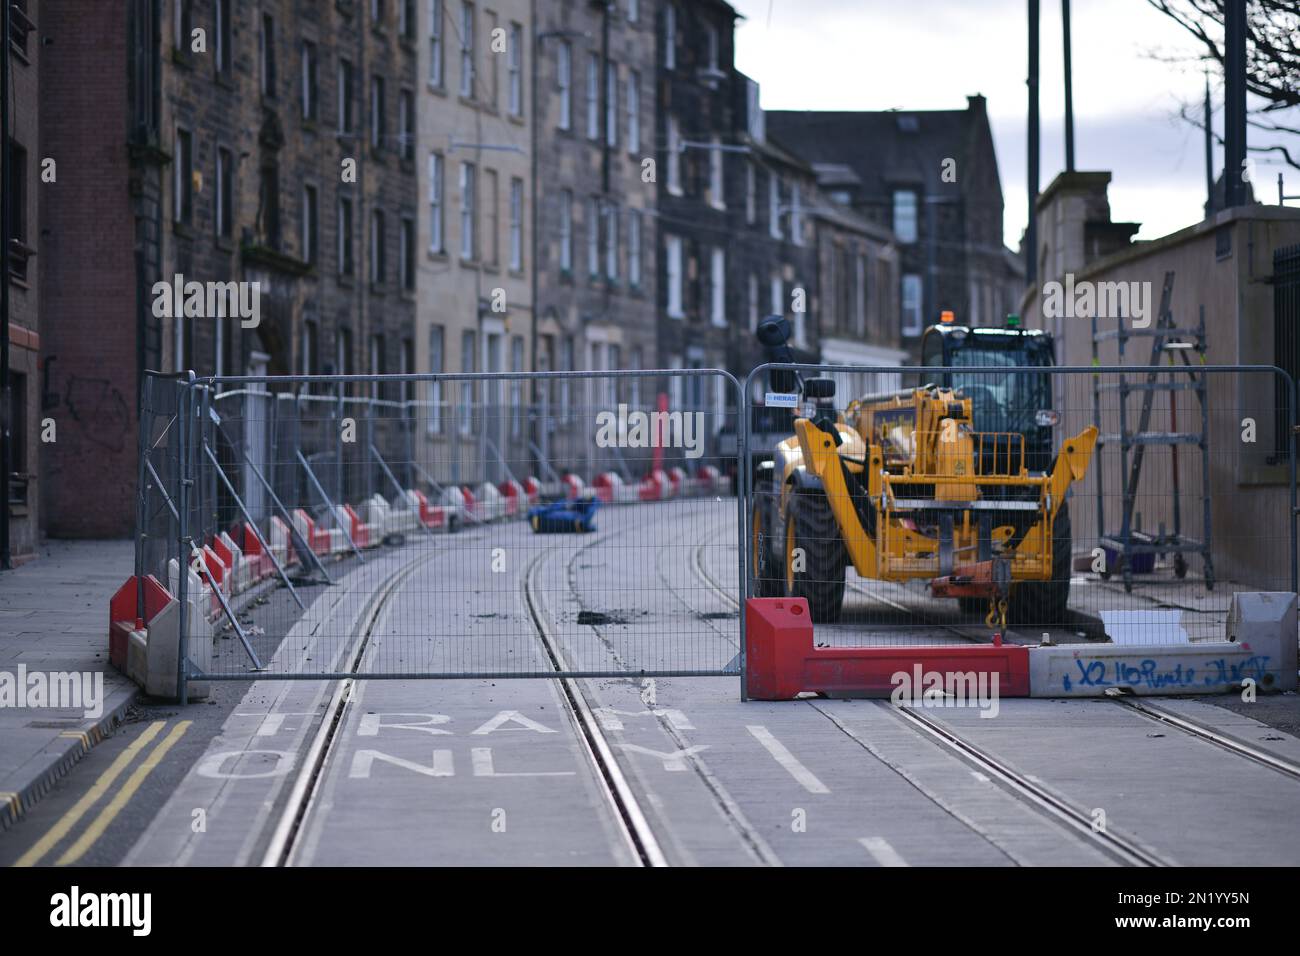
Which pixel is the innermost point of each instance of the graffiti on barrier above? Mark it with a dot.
(1150, 674)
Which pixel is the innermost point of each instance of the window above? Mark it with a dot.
(377, 364)
(407, 359)
(611, 242)
(515, 88)
(16, 170)
(633, 111)
(224, 202)
(467, 50)
(183, 191)
(310, 240)
(674, 156)
(184, 23)
(435, 203)
(435, 387)
(347, 266)
(516, 386)
(905, 215)
(310, 349)
(670, 37)
(564, 80)
(718, 288)
(492, 205)
(796, 215)
(491, 75)
(310, 92)
(716, 198)
(567, 353)
(435, 43)
(860, 295)
(378, 248)
(911, 297)
(466, 388)
(468, 244)
(593, 96)
(406, 125)
(633, 248)
(267, 49)
(751, 301)
(592, 224)
(516, 224)
(221, 35)
(711, 39)
(347, 95)
(406, 19)
(378, 127)
(343, 355)
(611, 104)
(633, 11)
(406, 253)
(774, 205)
(566, 231)
(268, 204)
(673, 268)
(377, 13)
(777, 301)
(635, 362)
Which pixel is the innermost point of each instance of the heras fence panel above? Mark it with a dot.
(471, 526)
(1099, 505)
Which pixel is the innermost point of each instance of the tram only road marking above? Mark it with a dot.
(806, 778)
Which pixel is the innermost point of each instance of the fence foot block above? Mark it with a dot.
(783, 661)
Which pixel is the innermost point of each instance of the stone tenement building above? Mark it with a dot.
(890, 167)
(734, 234)
(595, 232)
(212, 137)
(476, 199)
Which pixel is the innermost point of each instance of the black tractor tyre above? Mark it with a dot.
(1045, 603)
(765, 543)
(810, 525)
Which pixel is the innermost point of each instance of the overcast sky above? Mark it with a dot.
(930, 54)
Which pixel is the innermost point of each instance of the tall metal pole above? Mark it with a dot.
(1069, 89)
(1031, 230)
(1234, 104)
(6, 215)
(1209, 152)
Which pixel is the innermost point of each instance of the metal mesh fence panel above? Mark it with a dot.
(465, 526)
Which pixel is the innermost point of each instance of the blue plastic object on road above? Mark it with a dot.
(564, 517)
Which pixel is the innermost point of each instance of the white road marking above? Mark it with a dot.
(482, 759)
(675, 760)
(882, 852)
(806, 778)
(512, 716)
(371, 723)
(363, 760)
(609, 717)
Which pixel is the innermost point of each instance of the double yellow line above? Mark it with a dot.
(102, 786)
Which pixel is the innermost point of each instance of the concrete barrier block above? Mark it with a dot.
(1265, 622)
(1093, 670)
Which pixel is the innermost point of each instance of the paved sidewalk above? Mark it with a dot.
(54, 618)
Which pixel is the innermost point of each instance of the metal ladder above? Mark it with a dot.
(1131, 541)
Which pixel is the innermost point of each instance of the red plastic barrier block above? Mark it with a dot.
(122, 607)
(781, 660)
(360, 533)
